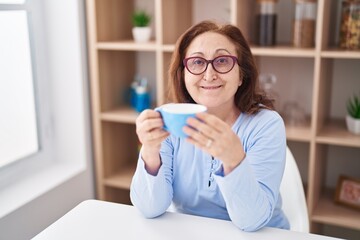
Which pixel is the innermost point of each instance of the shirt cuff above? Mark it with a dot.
(150, 179)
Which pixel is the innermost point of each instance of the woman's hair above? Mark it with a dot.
(248, 98)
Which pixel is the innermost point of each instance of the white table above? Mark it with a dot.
(93, 219)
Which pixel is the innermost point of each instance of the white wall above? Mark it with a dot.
(32, 218)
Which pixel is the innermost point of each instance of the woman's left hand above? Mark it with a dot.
(216, 137)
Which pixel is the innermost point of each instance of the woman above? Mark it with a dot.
(231, 165)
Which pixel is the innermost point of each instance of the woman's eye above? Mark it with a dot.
(222, 60)
(198, 61)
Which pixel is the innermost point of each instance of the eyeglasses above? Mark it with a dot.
(221, 64)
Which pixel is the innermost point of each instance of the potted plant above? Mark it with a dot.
(141, 30)
(353, 117)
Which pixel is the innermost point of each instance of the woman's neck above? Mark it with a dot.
(228, 115)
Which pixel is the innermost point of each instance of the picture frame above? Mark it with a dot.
(348, 192)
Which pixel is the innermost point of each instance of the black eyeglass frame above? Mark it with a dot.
(235, 60)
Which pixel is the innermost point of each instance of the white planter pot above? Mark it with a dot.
(353, 124)
(141, 34)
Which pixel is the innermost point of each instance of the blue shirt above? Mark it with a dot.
(194, 182)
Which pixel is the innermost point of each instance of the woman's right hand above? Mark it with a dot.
(149, 128)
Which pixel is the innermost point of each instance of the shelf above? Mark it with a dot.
(278, 51)
(282, 51)
(298, 133)
(129, 45)
(335, 133)
(168, 48)
(121, 115)
(121, 179)
(342, 54)
(329, 212)
(114, 60)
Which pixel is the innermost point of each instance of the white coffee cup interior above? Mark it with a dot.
(183, 108)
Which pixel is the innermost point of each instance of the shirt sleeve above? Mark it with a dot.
(251, 190)
(152, 195)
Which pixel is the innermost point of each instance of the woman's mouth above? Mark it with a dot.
(211, 87)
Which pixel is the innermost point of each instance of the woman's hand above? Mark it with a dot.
(216, 137)
(149, 128)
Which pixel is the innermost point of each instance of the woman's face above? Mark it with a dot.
(211, 88)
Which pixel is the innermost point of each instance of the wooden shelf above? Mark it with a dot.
(341, 54)
(168, 48)
(277, 51)
(121, 179)
(328, 212)
(283, 51)
(335, 133)
(298, 133)
(129, 45)
(113, 63)
(121, 115)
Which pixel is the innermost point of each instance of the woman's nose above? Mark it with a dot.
(210, 73)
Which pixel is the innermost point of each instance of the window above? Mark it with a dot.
(57, 103)
(12, 1)
(18, 124)
(25, 88)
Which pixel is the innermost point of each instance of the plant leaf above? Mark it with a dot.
(353, 107)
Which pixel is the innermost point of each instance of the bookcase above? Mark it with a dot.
(311, 76)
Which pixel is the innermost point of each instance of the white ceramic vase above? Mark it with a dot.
(141, 34)
(353, 124)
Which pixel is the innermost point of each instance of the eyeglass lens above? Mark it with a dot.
(198, 65)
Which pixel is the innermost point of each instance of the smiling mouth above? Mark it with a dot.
(210, 87)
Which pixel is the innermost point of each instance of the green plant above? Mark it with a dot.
(353, 107)
(141, 19)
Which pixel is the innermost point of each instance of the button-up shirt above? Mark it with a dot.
(193, 181)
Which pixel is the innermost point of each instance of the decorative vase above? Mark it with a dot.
(141, 34)
(353, 124)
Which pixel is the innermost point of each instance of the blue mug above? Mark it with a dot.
(175, 115)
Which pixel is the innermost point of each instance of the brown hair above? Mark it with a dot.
(248, 98)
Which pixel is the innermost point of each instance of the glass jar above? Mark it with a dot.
(293, 114)
(304, 23)
(266, 18)
(350, 25)
(267, 83)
